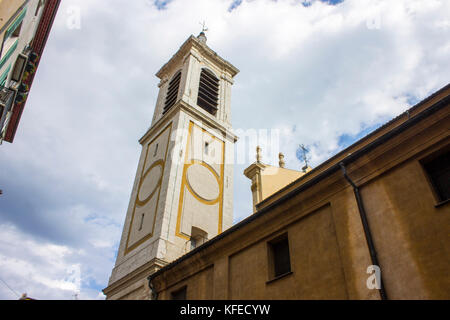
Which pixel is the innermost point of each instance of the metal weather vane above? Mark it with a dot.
(304, 156)
(204, 28)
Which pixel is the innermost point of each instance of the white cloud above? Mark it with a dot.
(40, 269)
(316, 73)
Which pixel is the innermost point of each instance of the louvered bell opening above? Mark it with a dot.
(208, 92)
(172, 92)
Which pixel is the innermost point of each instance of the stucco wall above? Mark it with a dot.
(312, 241)
(328, 247)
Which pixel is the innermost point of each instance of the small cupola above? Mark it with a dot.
(202, 37)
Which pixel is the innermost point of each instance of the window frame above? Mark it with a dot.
(272, 274)
(209, 108)
(431, 183)
(174, 293)
(171, 96)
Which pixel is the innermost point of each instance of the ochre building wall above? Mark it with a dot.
(328, 248)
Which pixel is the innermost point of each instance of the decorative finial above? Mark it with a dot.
(258, 154)
(282, 163)
(202, 35)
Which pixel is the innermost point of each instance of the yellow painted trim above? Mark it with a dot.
(197, 196)
(221, 189)
(158, 187)
(139, 202)
(185, 184)
(180, 202)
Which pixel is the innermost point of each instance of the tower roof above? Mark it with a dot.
(200, 45)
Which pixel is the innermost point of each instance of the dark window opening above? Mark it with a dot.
(142, 222)
(438, 171)
(193, 243)
(208, 92)
(16, 32)
(179, 294)
(1, 114)
(172, 92)
(279, 256)
(19, 68)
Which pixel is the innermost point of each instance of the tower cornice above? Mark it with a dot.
(196, 114)
(204, 50)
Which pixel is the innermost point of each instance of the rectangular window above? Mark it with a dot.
(437, 168)
(179, 294)
(279, 257)
(19, 68)
(142, 222)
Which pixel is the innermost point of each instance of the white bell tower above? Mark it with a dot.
(183, 192)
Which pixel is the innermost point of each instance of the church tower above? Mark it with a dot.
(183, 192)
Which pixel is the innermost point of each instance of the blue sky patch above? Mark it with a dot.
(307, 3)
(234, 5)
(161, 4)
(412, 100)
(347, 140)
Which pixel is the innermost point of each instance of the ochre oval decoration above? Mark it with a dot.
(203, 182)
(149, 184)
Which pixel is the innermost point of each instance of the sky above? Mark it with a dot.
(318, 73)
